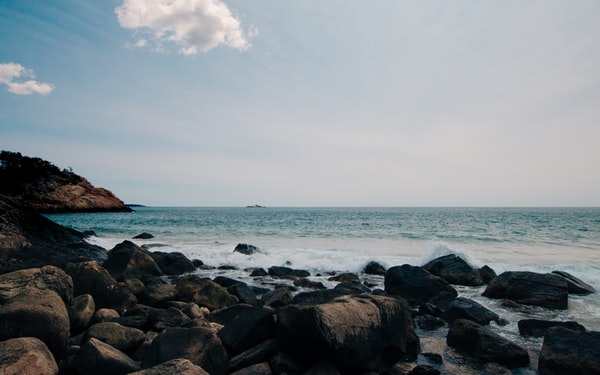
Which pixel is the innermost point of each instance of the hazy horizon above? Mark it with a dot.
(228, 103)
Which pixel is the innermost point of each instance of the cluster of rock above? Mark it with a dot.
(144, 312)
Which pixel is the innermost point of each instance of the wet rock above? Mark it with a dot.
(487, 274)
(318, 297)
(91, 278)
(454, 270)
(244, 326)
(284, 363)
(538, 328)
(174, 263)
(258, 272)
(179, 366)
(44, 278)
(244, 293)
(143, 236)
(199, 345)
(424, 370)
(204, 292)
(358, 334)
(303, 282)
(257, 369)
(126, 339)
(344, 277)
(482, 343)
(129, 261)
(353, 287)
(575, 285)
(81, 312)
(226, 282)
(98, 358)
(569, 352)
(286, 272)
(161, 319)
(492, 368)
(429, 322)
(530, 288)
(260, 353)
(418, 286)
(157, 294)
(36, 313)
(465, 308)
(245, 249)
(277, 297)
(26, 355)
(323, 367)
(374, 268)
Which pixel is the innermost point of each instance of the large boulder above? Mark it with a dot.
(204, 292)
(359, 334)
(418, 286)
(198, 344)
(126, 339)
(45, 278)
(26, 355)
(30, 240)
(530, 288)
(374, 268)
(129, 261)
(569, 352)
(245, 249)
(465, 308)
(179, 366)
(575, 285)
(287, 272)
(454, 270)
(36, 313)
(157, 294)
(480, 342)
(98, 358)
(538, 328)
(174, 263)
(91, 278)
(81, 312)
(257, 354)
(244, 326)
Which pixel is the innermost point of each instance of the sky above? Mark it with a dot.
(309, 103)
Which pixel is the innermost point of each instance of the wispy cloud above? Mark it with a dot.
(11, 72)
(193, 25)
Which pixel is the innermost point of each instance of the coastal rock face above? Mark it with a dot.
(358, 334)
(482, 343)
(575, 285)
(129, 261)
(28, 240)
(26, 356)
(417, 285)
(530, 288)
(38, 185)
(454, 270)
(569, 352)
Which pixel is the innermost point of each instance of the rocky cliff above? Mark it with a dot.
(41, 186)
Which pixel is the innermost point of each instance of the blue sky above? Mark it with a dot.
(309, 103)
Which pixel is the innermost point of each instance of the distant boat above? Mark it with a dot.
(255, 206)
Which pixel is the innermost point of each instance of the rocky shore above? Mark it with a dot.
(67, 307)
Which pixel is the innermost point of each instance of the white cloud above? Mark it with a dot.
(193, 25)
(11, 71)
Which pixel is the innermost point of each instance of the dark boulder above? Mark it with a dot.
(374, 268)
(81, 312)
(157, 294)
(303, 282)
(36, 313)
(91, 278)
(262, 368)
(245, 249)
(530, 288)
(358, 334)
(429, 322)
(487, 274)
(569, 352)
(258, 354)
(160, 319)
(317, 297)
(480, 342)
(174, 263)
(244, 294)
(575, 285)
(258, 272)
(344, 277)
(45, 278)
(286, 272)
(538, 328)
(126, 339)
(98, 358)
(26, 355)
(198, 344)
(353, 287)
(179, 366)
(204, 292)
(418, 286)
(129, 261)
(465, 308)
(454, 270)
(244, 326)
(278, 297)
(143, 236)
(424, 370)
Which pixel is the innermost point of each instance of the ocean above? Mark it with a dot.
(325, 240)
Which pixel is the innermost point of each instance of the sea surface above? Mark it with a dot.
(325, 240)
